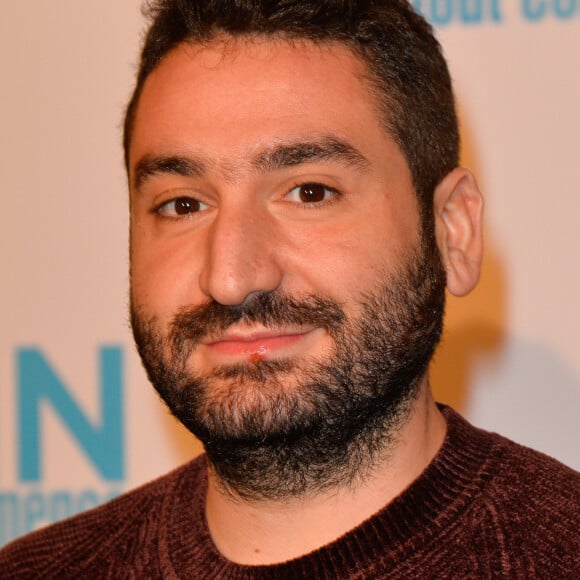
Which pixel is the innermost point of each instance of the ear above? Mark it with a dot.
(458, 206)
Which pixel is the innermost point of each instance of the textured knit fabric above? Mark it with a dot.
(484, 508)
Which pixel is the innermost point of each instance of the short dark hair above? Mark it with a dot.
(397, 45)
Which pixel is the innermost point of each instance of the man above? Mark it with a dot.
(296, 213)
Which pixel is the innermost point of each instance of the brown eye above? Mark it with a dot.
(310, 193)
(185, 205)
(181, 206)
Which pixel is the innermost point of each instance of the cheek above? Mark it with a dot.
(163, 276)
(340, 263)
(350, 258)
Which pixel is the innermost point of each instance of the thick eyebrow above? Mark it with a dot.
(150, 166)
(325, 149)
(272, 158)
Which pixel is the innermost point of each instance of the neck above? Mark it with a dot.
(269, 532)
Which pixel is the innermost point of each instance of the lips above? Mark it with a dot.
(254, 344)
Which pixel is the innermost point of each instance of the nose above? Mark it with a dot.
(241, 256)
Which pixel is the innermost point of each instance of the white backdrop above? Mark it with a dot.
(78, 420)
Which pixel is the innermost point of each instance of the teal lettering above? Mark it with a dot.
(564, 9)
(441, 12)
(9, 517)
(472, 12)
(21, 513)
(61, 506)
(495, 11)
(34, 512)
(38, 384)
(88, 499)
(534, 9)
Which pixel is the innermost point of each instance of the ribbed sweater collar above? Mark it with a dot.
(443, 492)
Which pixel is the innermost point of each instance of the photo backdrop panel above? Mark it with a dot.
(79, 422)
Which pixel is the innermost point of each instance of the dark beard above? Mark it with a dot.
(285, 428)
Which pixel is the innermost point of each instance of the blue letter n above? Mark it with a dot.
(39, 384)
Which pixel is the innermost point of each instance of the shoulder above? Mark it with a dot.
(527, 508)
(534, 470)
(542, 484)
(512, 467)
(540, 489)
(64, 549)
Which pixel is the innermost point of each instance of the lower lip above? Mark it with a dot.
(261, 347)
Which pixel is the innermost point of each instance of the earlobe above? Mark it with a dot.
(458, 206)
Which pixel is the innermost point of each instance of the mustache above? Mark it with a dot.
(270, 309)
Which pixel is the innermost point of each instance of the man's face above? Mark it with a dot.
(266, 192)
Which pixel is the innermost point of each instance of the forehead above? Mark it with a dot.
(231, 95)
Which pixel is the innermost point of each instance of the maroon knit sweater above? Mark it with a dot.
(484, 508)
